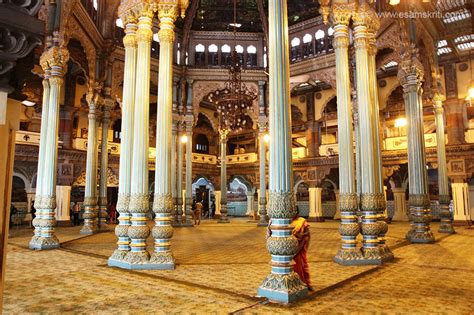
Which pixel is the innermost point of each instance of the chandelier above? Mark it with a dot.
(235, 100)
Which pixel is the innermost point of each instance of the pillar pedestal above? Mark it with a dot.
(315, 205)
(461, 214)
(400, 205)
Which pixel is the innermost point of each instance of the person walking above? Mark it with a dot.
(197, 213)
(76, 211)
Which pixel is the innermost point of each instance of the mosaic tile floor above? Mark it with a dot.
(220, 268)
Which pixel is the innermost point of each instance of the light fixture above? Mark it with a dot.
(184, 139)
(266, 138)
(394, 2)
(235, 100)
(235, 25)
(400, 122)
(28, 103)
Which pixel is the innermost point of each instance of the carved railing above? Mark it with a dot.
(242, 158)
(204, 158)
(401, 143)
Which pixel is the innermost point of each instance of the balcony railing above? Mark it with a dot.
(401, 143)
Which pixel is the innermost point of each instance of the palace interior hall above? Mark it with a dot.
(236, 156)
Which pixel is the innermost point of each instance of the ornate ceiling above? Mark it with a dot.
(216, 15)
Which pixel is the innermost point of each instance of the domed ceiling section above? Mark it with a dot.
(218, 15)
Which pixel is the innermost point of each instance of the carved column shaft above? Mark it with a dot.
(179, 197)
(372, 199)
(282, 284)
(189, 119)
(163, 199)
(349, 228)
(54, 59)
(446, 224)
(90, 196)
(386, 253)
(223, 144)
(411, 77)
(126, 141)
(262, 171)
(139, 204)
(104, 165)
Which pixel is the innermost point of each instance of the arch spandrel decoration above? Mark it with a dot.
(117, 76)
(112, 179)
(328, 75)
(390, 38)
(73, 30)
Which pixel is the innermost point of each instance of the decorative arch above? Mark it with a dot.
(244, 180)
(328, 99)
(74, 30)
(24, 179)
(327, 74)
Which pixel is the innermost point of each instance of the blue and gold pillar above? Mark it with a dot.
(372, 199)
(349, 229)
(282, 284)
(138, 231)
(54, 62)
(446, 224)
(126, 141)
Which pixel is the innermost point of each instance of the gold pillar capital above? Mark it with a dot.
(130, 39)
(144, 32)
(166, 35)
(410, 71)
(342, 13)
(54, 60)
(223, 134)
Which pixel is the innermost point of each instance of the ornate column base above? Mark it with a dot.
(263, 221)
(420, 218)
(188, 218)
(371, 205)
(446, 224)
(117, 256)
(102, 219)
(283, 288)
(162, 261)
(121, 231)
(349, 257)
(90, 216)
(349, 229)
(386, 252)
(42, 243)
(223, 218)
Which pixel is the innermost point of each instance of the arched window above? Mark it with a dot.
(251, 56)
(329, 38)
(202, 144)
(240, 53)
(117, 128)
(225, 55)
(178, 55)
(119, 23)
(307, 45)
(155, 46)
(213, 57)
(320, 44)
(199, 55)
(295, 49)
(265, 57)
